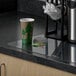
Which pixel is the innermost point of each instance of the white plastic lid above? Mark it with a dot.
(27, 20)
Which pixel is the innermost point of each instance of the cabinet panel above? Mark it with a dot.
(19, 67)
(32, 69)
(13, 65)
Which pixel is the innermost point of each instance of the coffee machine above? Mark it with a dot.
(67, 49)
(65, 11)
(63, 14)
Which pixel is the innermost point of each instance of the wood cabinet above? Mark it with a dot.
(18, 67)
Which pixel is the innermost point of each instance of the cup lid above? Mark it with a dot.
(27, 19)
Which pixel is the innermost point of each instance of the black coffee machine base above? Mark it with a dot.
(57, 37)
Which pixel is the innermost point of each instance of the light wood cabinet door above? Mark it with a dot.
(19, 67)
(12, 65)
(33, 69)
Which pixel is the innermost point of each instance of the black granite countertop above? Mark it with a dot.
(54, 53)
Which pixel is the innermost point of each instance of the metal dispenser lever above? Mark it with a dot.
(72, 20)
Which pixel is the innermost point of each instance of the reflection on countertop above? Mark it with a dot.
(46, 49)
(66, 52)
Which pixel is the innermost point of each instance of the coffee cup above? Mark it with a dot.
(26, 30)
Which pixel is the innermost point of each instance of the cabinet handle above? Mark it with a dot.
(3, 65)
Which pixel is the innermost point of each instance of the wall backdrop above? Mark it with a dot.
(31, 6)
(7, 5)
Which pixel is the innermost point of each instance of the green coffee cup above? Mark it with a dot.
(26, 30)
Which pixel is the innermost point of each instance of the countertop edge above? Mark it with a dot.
(36, 59)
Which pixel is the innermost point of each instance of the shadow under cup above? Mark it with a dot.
(26, 31)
